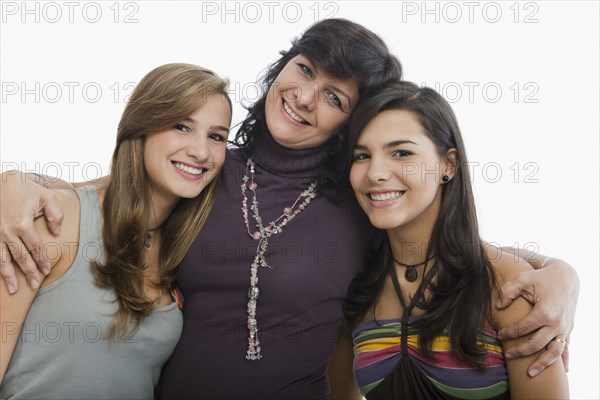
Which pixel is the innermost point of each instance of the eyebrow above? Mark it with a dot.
(219, 128)
(213, 127)
(340, 91)
(389, 145)
(396, 143)
(318, 70)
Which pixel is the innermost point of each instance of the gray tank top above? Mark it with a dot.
(65, 351)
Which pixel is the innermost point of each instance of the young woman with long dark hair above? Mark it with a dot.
(421, 312)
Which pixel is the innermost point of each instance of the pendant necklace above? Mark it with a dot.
(262, 234)
(411, 274)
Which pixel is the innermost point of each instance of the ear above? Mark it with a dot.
(450, 163)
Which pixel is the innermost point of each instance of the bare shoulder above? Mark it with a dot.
(61, 249)
(14, 307)
(505, 266)
(69, 203)
(103, 180)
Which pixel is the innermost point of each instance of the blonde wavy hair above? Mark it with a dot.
(162, 99)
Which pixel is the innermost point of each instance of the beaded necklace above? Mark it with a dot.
(262, 234)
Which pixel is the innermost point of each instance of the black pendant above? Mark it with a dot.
(411, 274)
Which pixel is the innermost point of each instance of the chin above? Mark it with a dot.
(189, 193)
(383, 223)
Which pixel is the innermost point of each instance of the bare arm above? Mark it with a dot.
(339, 372)
(45, 181)
(13, 310)
(25, 197)
(22, 202)
(535, 259)
(552, 383)
(49, 182)
(553, 290)
(14, 307)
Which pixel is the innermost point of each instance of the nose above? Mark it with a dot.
(378, 170)
(198, 148)
(307, 96)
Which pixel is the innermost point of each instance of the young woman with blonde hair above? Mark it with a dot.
(103, 322)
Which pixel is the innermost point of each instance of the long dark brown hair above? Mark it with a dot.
(343, 49)
(162, 99)
(461, 293)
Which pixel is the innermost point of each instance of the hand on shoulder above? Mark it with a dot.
(60, 249)
(506, 266)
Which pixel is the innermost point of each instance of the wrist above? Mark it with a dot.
(39, 179)
(546, 261)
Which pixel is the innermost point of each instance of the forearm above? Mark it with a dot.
(535, 259)
(47, 182)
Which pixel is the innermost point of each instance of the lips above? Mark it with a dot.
(189, 169)
(383, 196)
(288, 110)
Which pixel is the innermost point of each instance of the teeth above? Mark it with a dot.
(189, 170)
(386, 196)
(293, 114)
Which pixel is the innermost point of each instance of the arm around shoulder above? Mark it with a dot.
(552, 382)
(14, 307)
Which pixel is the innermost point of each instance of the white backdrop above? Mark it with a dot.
(522, 78)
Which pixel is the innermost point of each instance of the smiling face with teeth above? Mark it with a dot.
(182, 161)
(396, 172)
(305, 106)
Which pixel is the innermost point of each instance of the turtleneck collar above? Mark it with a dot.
(282, 161)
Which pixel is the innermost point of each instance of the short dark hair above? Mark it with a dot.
(343, 49)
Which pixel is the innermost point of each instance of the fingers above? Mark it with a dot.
(526, 345)
(524, 326)
(52, 212)
(554, 351)
(21, 256)
(565, 356)
(32, 253)
(7, 270)
(20, 246)
(513, 289)
(544, 337)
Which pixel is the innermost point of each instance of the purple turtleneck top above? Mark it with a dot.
(299, 310)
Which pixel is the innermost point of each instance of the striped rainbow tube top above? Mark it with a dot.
(377, 352)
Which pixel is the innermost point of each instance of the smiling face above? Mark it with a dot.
(183, 160)
(304, 106)
(397, 172)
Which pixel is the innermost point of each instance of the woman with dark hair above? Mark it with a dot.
(264, 287)
(265, 279)
(421, 312)
(103, 323)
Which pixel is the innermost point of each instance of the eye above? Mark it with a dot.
(359, 157)
(401, 153)
(183, 128)
(333, 98)
(305, 70)
(217, 137)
